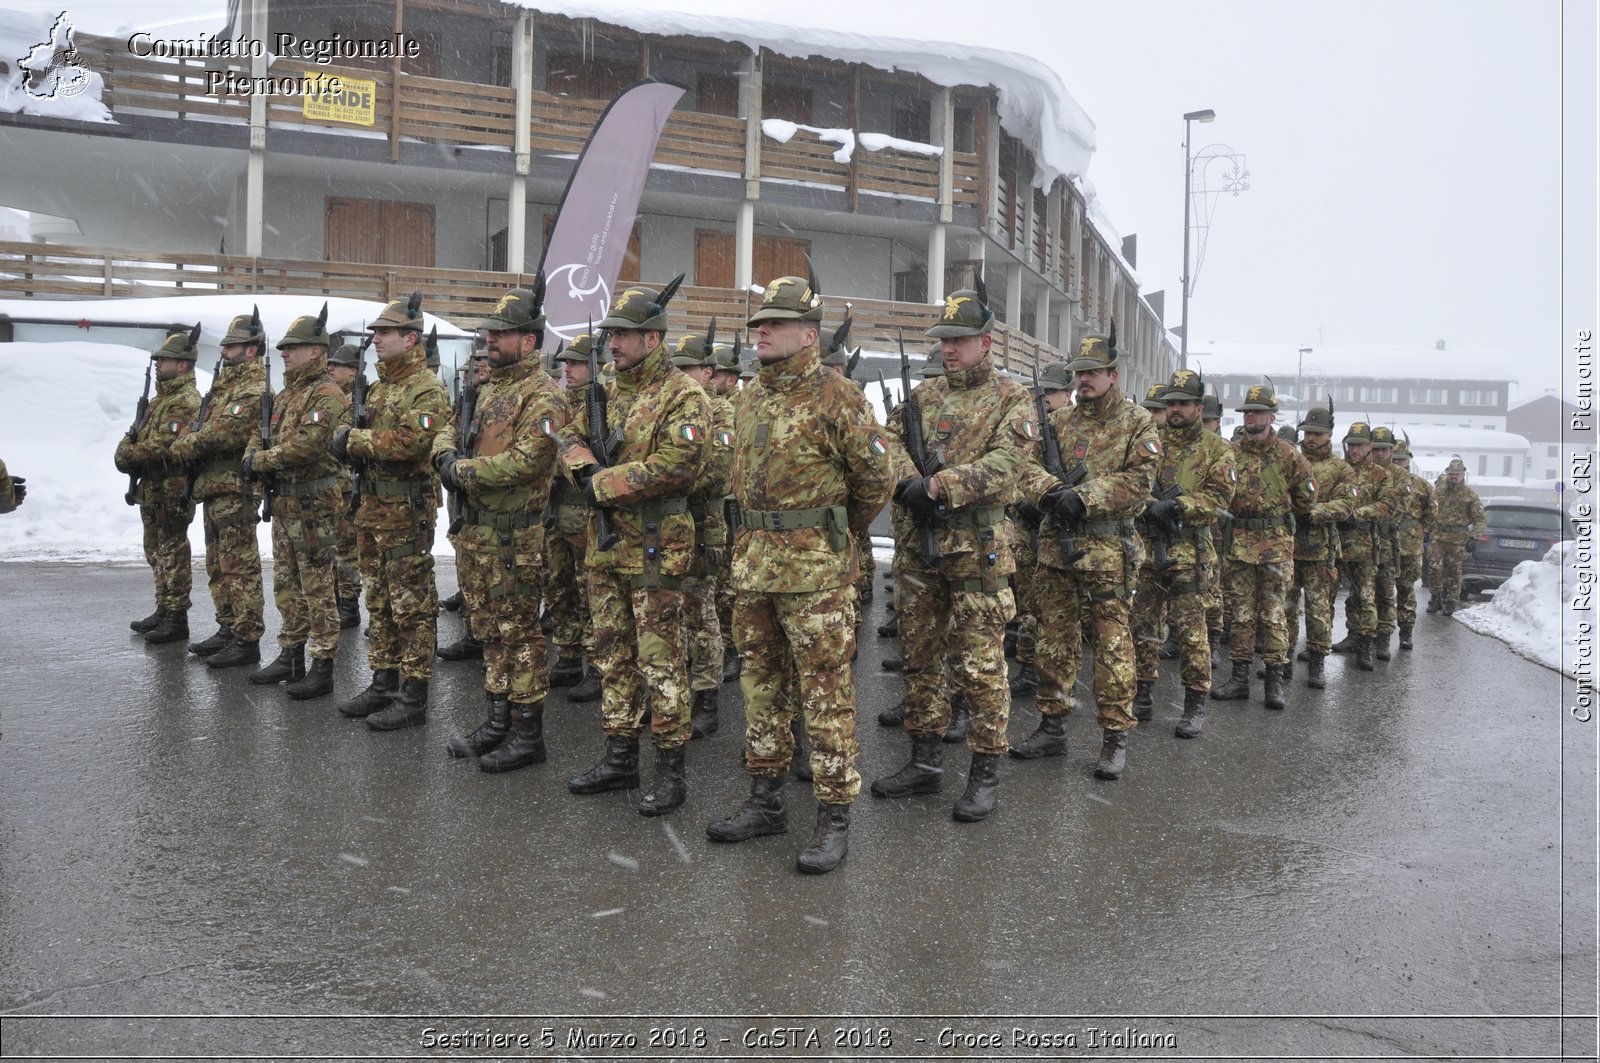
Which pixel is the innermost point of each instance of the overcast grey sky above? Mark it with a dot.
(1405, 156)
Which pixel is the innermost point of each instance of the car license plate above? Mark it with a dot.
(1518, 544)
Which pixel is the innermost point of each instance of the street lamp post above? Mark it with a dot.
(1299, 371)
(1188, 120)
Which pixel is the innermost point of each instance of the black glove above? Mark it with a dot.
(341, 445)
(588, 490)
(1163, 511)
(1472, 547)
(445, 463)
(247, 468)
(1064, 504)
(582, 476)
(913, 494)
(1028, 513)
(18, 488)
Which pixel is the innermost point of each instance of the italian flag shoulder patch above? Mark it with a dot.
(425, 420)
(691, 432)
(1152, 446)
(724, 438)
(877, 446)
(236, 409)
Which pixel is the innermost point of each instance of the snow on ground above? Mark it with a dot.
(1532, 611)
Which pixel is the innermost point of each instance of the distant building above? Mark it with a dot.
(1543, 420)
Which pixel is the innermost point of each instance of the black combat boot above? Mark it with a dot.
(1433, 604)
(1026, 682)
(960, 719)
(890, 628)
(526, 745)
(380, 692)
(290, 664)
(588, 689)
(1049, 739)
(1215, 640)
(617, 770)
(1273, 694)
(408, 709)
(489, 734)
(1381, 646)
(1169, 648)
(1237, 688)
(730, 664)
(174, 627)
(1144, 702)
(349, 612)
(703, 714)
(236, 653)
(1288, 670)
(1449, 607)
(566, 672)
(466, 648)
(451, 604)
(983, 787)
(895, 717)
(547, 623)
(1314, 676)
(316, 683)
(1193, 723)
(151, 622)
(762, 813)
(922, 774)
(1349, 644)
(1365, 653)
(215, 644)
(829, 842)
(670, 789)
(892, 664)
(1405, 637)
(800, 763)
(1226, 638)
(1113, 756)
(1009, 643)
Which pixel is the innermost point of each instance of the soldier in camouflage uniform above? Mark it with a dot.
(213, 451)
(1222, 535)
(839, 360)
(1056, 383)
(305, 512)
(812, 469)
(1316, 543)
(344, 365)
(977, 426)
(567, 546)
(1275, 491)
(1360, 546)
(1458, 520)
(395, 520)
(469, 647)
(1117, 445)
(1383, 442)
(13, 489)
(660, 422)
(501, 465)
(725, 385)
(1412, 526)
(694, 356)
(166, 515)
(1155, 405)
(1202, 467)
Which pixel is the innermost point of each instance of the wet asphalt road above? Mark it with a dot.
(1403, 864)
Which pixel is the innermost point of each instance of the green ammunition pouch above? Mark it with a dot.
(650, 513)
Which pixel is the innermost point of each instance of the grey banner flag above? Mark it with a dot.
(595, 219)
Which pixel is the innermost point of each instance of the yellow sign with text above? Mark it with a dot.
(335, 98)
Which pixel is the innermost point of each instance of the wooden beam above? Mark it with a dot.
(394, 85)
(853, 120)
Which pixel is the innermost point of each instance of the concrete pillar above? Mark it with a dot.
(750, 107)
(744, 240)
(256, 170)
(936, 255)
(944, 134)
(522, 155)
(1014, 295)
(1041, 314)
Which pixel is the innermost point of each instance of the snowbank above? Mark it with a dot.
(1532, 610)
(40, 44)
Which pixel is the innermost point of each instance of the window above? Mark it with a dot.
(717, 94)
(1483, 465)
(1479, 397)
(966, 132)
(1378, 394)
(1553, 450)
(913, 120)
(1507, 470)
(1428, 396)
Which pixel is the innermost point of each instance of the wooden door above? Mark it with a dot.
(378, 232)
(780, 256)
(792, 103)
(717, 94)
(589, 77)
(713, 259)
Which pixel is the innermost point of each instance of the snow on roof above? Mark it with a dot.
(1432, 437)
(1034, 105)
(1375, 361)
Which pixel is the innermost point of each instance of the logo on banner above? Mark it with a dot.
(588, 294)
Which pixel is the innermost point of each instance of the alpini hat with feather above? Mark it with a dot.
(578, 350)
(401, 314)
(184, 346)
(790, 299)
(1318, 419)
(519, 310)
(966, 313)
(696, 349)
(308, 329)
(1383, 437)
(641, 308)
(1096, 352)
(246, 328)
(1358, 432)
(1259, 397)
(345, 354)
(839, 355)
(1184, 385)
(1154, 397)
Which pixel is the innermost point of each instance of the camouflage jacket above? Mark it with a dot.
(1457, 514)
(1275, 481)
(1201, 464)
(305, 414)
(1119, 444)
(1317, 539)
(659, 420)
(568, 510)
(172, 409)
(8, 491)
(232, 422)
(1362, 537)
(406, 408)
(1414, 520)
(513, 453)
(804, 439)
(716, 480)
(980, 425)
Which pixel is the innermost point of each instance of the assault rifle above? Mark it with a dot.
(269, 485)
(600, 442)
(917, 448)
(466, 435)
(730, 503)
(1161, 533)
(140, 414)
(193, 473)
(1050, 448)
(359, 416)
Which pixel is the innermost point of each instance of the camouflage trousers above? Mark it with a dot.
(1257, 597)
(1384, 592)
(943, 621)
(345, 566)
(1067, 599)
(566, 593)
(1361, 604)
(1319, 581)
(166, 551)
(638, 647)
(1445, 564)
(233, 565)
(1182, 591)
(1406, 575)
(500, 591)
(702, 632)
(402, 599)
(726, 597)
(303, 536)
(1024, 588)
(1214, 610)
(797, 650)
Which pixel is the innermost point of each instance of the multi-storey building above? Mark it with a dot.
(1555, 452)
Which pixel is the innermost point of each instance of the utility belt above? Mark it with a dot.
(656, 508)
(413, 490)
(649, 514)
(1407, 524)
(500, 522)
(1264, 523)
(976, 518)
(222, 466)
(1453, 529)
(1121, 529)
(834, 518)
(305, 488)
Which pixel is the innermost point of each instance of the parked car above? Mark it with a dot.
(1515, 532)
